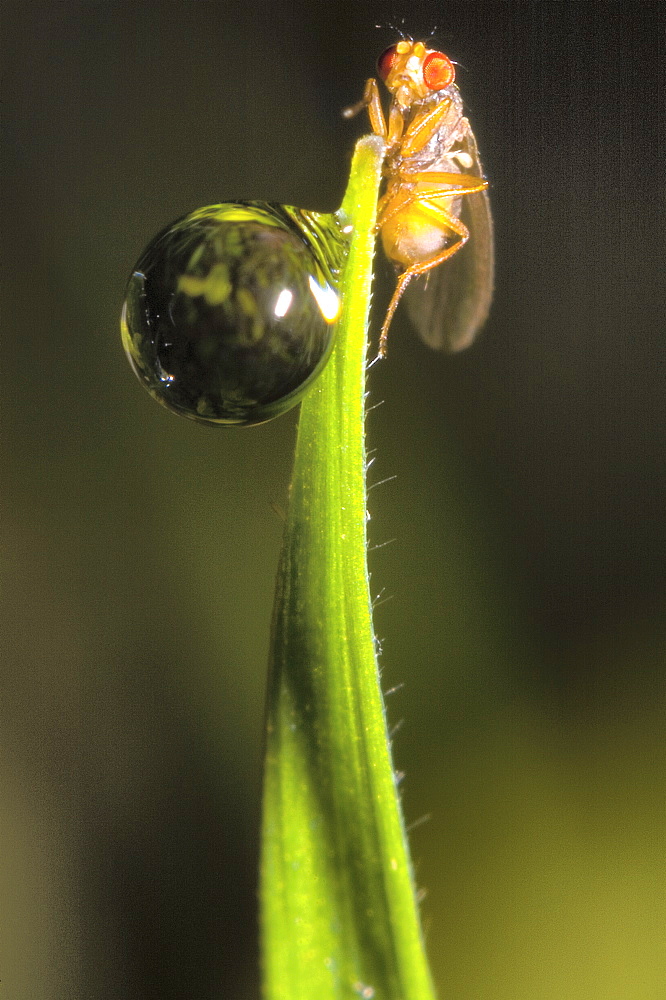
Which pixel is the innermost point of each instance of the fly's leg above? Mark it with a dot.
(371, 101)
(396, 200)
(464, 183)
(446, 221)
(423, 127)
(390, 204)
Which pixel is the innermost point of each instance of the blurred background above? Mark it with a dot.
(526, 576)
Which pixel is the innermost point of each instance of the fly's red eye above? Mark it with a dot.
(438, 71)
(386, 61)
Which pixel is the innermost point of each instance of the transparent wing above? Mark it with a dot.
(450, 304)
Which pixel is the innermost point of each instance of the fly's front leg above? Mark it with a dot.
(445, 221)
(371, 101)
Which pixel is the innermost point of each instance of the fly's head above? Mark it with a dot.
(412, 72)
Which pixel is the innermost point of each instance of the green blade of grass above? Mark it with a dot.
(338, 911)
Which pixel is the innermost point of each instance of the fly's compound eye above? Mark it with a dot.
(438, 71)
(387, 61)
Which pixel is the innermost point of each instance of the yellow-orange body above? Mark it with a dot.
(430, 149)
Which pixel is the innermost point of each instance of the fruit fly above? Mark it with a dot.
(435, 198)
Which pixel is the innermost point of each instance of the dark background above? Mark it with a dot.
(138, 556)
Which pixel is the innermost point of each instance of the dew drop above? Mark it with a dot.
(230, 312)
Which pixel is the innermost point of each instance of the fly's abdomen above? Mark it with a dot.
(415, 233)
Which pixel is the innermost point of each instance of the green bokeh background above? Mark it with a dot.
(526, 582)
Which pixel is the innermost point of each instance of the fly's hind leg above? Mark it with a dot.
(446, 221)
(397, 199)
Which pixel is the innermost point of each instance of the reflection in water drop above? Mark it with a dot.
(284, 300)
(230, 312)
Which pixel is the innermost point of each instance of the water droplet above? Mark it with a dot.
(230, 312)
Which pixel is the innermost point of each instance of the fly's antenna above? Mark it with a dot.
(396, 30)
(443, 41)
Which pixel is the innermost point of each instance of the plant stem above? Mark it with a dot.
(339, 916)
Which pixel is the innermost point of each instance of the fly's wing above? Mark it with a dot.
(449, 304)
